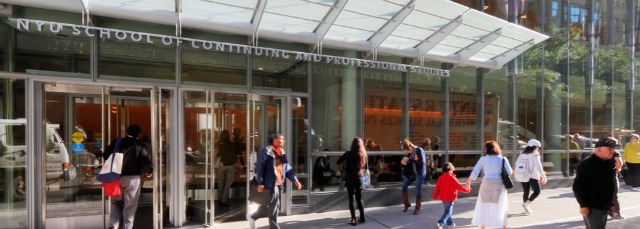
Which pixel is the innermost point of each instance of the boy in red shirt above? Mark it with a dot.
(447, 190)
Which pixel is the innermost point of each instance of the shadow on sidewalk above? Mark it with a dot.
(572, 224)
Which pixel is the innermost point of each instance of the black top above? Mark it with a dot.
(135, 159)
(226, 152)
(351, 176)
(594, 184)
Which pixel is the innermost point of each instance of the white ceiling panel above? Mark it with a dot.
(440, 30)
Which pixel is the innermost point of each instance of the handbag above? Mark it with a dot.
(112, 167)
(255, 196)
(506, 180)
(111, 188)
(365, 179)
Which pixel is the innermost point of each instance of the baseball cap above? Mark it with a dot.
(534, 142)
(607, 142)
(635, 136)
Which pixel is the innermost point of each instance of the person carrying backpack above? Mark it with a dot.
(528, 171)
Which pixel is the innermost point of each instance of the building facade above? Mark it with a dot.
(75, 76)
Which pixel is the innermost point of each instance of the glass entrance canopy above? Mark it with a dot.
(438, 30)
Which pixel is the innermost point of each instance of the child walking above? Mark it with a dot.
(447, 189)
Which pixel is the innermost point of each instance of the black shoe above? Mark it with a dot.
(352, 221)
(362, 219)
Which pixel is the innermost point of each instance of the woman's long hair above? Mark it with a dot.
(357, 145)
(492, 148)
(529, 149)
(225, 137)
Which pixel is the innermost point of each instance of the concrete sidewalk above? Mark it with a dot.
(554, 208)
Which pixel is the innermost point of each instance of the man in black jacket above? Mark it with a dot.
(135, 161)
(594, 185)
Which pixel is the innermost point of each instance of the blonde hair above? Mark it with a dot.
(407, 144)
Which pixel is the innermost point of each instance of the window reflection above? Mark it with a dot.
(12, 154)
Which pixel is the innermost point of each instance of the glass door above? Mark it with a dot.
(276, 114)
(74, 132)
(80, 123)
(215, 129)
(223, 132)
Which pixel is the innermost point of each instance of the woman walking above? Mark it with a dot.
(356, 162)
(528, 171)
(491, 206)
(414, 169)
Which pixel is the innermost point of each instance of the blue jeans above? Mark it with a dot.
(270, 209)
(446, 216)
(419, 181)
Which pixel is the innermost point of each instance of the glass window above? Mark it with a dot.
(463, 132)
(203, 63)
(300, 156)
(609, 91)
(603, 94)
(51, 49)
(527, 87)
(529, 15)
(555, 70)
(425, 115)
(621, 61)
(384, 120)
(556, 17)
(335, 118)
(425, 111)
(4, 29)
(578, 99)
(280, 70)
(335, 102)
(383, 104)
(134, 55)
(12, 148)
(497, 8)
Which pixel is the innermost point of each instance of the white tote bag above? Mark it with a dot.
(112, 167)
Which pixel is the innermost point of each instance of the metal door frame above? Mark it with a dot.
(285, 123)
(35, 104)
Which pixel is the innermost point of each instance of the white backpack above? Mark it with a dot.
(521, 171)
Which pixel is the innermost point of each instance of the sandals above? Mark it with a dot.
(352, 221)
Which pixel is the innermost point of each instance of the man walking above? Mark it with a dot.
(594, 185)
(271, 169)
(135, 160)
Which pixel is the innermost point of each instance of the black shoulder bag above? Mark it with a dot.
(506, 179)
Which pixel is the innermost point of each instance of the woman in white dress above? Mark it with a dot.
(491, 206)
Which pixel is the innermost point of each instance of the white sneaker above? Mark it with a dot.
(637, 189)
(617, 216)
(252, 222)
(527, 209)
(438, 226)
(451, 226)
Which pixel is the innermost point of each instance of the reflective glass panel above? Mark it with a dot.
(4, 29)
(51, 48)
(277, 70)
(203, 62)
(131, 51)
(12, 154)
(334, 120)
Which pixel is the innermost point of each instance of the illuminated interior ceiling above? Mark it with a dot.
(432, 30)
